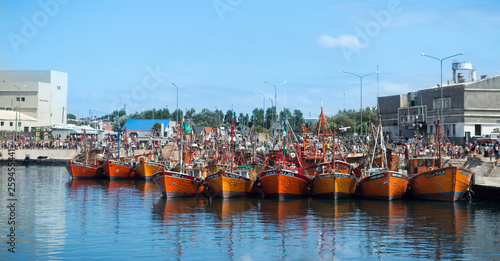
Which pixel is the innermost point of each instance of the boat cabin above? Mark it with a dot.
(419, 165)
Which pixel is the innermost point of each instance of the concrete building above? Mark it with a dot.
(34, 98)
(470, 109)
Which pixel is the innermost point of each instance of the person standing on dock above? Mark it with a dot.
(496, 150)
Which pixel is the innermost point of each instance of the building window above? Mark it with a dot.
(477, 130)
(1, 123)
(454, 130)
(23, 99)
(402, 119)
(11, 124)
(431, 128)
(446, 103)
(19, 123)
(58, 88)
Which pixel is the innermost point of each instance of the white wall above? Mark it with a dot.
(43, 99)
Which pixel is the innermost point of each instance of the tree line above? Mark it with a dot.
(345, 122)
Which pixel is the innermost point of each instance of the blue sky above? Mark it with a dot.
(220, 52)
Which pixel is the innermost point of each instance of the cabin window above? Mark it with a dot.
(428, 163)
(420, 163)
(436, 163)
(196, 173)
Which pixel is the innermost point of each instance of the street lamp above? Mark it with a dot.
(263, 106)
(275, 93)
(18, 110)
(441, 86)
(361, 96)
(177, 106)
(272, 113)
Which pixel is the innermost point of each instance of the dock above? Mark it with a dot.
(487, 180)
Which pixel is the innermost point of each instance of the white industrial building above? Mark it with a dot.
(32, 99)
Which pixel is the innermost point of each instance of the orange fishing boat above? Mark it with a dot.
(177, 183)
(430, 181)
(338, 182)
(286, 179)
(174, 184)
(117, 170)
(330, 179)
(284, 182)
(79, 170)
(145, 170)
(382, 183)
(238, 182)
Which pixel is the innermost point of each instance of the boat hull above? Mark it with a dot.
(387, 185)
(115, 171)
(146, 170)
(176, 185)
(333, 185)
(446, 184)
(284, 184)
(82, 171)
(229, 185)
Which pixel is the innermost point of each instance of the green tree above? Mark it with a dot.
(71, 116)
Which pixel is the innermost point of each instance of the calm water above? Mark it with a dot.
(57, 218)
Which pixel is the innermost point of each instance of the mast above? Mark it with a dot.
(182, 150)
(85, 142)
(119, 128)
(232, 145)
(438, 134)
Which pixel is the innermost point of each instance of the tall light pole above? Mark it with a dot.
(441, 61)
(18, 110)
(263, 106)
(177, 106)
(275, 95)
(272, 113)
(361, 96)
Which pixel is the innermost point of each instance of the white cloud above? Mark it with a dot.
(345, 40)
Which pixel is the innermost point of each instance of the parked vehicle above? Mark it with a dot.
(488, 138)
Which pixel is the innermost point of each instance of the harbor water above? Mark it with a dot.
(57, 218)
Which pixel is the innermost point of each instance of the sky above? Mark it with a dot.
(219, 53)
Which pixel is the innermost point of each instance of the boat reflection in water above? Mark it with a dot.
(437, 229)
(172, 209)
(278, 211)
(86, 184)
(443, 226)
(230, 208)
(333, 218)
